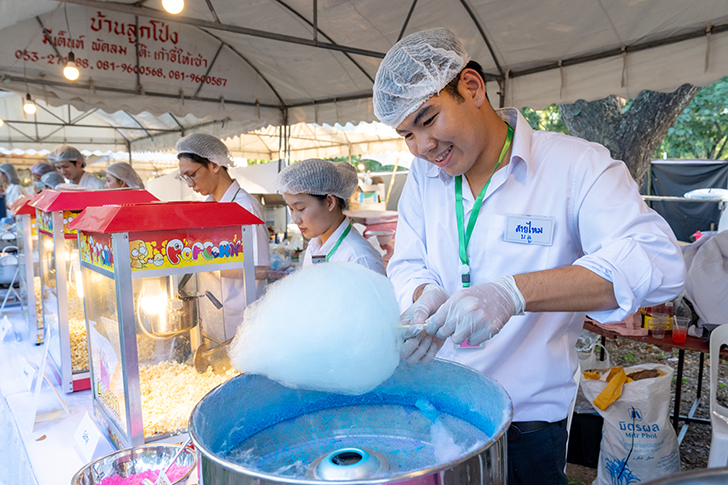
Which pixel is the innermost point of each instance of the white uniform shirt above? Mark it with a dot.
(353, 248)
(599, 222)
(234, 288)
(12, 192)
(91, 181)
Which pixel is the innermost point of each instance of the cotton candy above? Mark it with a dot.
(330, 327)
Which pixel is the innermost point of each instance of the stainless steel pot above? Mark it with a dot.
(437, 424)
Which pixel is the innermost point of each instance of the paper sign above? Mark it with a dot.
(87, 437)
(28, 373)
(5, 327)
(163, 479)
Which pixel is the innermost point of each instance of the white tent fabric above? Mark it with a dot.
(259, 64)
(314, 141)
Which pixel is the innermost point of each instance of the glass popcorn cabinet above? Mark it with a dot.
(29, 276)
(60, 277)
(165, 287)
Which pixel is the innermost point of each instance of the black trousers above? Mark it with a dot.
(537, 453)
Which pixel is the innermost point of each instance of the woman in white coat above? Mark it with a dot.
(316, 192)
(203, 166)
(11, 183)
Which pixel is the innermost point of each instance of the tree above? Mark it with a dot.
(630, 132)
(701, 131)
(549, 119)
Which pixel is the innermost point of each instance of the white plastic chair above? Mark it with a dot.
(718, 414)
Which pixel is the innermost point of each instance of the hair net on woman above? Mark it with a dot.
(125, 173)
(205, 146)
(9, 170)
(66, 153)
(415, 69)
(318, 177)
(41, 168)
(52, 179)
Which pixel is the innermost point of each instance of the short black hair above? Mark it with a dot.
(452, 87)
(342, 203)
(198, 159)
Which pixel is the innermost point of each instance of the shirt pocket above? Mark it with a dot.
(510, 258)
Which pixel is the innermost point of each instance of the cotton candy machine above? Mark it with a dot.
(437, 424)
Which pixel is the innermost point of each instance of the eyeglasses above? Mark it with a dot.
(190, 179)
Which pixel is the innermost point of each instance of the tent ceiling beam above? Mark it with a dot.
(23, 133)
(128, 91)
(212, 11)
(209, 68)
(252, 66)
(75, 125)
(317, 30)
(182, 128)
(159, 15)
(48, 135)
(82, 115)
(137, 122)
(51, 113)
(485, 37)
(48, 37)
(85, 142)
(406, 20)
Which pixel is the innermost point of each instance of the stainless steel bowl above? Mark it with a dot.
(132, 461)
(442, 423)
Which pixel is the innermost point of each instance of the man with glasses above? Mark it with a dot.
(203, 166)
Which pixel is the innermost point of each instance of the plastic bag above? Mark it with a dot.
(589, 360)
(638, 442)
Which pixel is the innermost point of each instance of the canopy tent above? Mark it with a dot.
(281, 62)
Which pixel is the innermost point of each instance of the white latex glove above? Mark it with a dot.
(477, 313)
(417, 345)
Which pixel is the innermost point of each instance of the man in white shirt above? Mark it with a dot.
(70, 163)
(506, 237)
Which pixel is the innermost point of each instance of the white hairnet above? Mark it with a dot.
(9, 170)
(206, 146)
(66, 153)
(41, 168)
(318, 177)
(52, 179)
(125, 173)
(415, 69)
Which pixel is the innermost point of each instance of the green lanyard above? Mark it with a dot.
(463, 235)
(336, 246)
(235, 196)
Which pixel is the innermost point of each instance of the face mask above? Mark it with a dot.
(39, 185)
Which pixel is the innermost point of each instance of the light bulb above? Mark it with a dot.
(154, 304)
(361, 167)
(29, 106)
(71, 71)
(1, 122)
(173, 6)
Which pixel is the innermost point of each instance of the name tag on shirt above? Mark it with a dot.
(318, 259)
(525, 229)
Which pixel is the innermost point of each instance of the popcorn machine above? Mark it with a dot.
(60, 277)
(158, 279)
(28, 258)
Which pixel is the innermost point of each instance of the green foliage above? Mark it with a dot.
(629, 358)
(548, 119)
(722, 385)
(701, 131)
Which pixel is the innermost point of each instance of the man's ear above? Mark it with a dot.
(215, 167)
(472, 86)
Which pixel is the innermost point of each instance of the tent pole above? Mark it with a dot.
(128, 147)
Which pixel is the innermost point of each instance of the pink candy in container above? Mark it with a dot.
(132, 465)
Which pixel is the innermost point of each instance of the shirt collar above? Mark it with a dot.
(333, 238)
(229, 193)
(520, 152)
